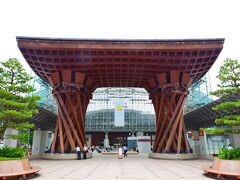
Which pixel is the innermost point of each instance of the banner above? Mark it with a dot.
(119, 114)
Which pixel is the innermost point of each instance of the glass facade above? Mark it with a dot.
(139, 111)
(217, 142)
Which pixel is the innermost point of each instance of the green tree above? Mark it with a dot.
(16, 102)
(229, 76)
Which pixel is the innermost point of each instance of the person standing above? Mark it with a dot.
(137, 149)
(78, 152)
(125, 151)
(85, 150)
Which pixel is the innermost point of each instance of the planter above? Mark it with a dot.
(169, 156)
(116, 153)
(64, 156)
(15, 168)
(223, 168)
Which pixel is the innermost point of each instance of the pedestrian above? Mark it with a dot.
(137, 149)
(78, 152)
(46, 149)
(125, 151)
(85, 150)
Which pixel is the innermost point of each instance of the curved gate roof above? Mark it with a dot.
(120, 63)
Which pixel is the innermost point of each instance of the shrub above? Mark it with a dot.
(233, 154)
(13, 152)
(8, 159)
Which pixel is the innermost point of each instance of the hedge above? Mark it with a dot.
(232, 154)
(12, 152)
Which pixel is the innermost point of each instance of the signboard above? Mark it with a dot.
(119, 113)
(201, 133)
(195, 135)
(144, 140)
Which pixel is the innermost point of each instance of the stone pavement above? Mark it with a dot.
(109, 167)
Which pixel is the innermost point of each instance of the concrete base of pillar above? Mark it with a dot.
(67, 156)
(189, 156)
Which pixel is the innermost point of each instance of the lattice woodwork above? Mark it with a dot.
(72, 93)
(169, 99)
(120, 63)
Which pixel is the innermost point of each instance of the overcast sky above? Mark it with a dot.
(131, 19)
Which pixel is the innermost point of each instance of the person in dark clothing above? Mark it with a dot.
(78, 153)
(85, 150)
(125, 151)
(137, 149)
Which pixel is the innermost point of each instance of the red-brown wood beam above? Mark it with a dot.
(160, 112)
(81, 116)
(65, 125)
(72, 97)
(172, 90)
(55, 138)
(173, 129)
(75, 120)
(167, 130)
(179, 141)
(166, 115)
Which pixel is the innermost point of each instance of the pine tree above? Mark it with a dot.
(229, 76)
(16, 102)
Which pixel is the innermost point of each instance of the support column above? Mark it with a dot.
(43, 143)
(36, 142)
(72, 91)
(49, 140)
(40, 141)
(169, 92)
(203, 143)
(234, 140)
(133, 134)
(106, 140)
(89, 140)
(196, 142)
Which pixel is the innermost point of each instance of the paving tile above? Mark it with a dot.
(110, 167)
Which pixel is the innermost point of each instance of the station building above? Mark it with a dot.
(88, 76)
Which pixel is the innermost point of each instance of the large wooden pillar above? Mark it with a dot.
(72, 91)
(168, 99)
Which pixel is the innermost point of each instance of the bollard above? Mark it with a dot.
(120, 153)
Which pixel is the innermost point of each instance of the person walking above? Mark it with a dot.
(78, 152)
(125, 151)
(85, 150)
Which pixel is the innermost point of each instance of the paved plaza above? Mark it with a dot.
(110, 167)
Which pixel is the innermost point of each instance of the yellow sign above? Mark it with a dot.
(119, 107)
(119, 113)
